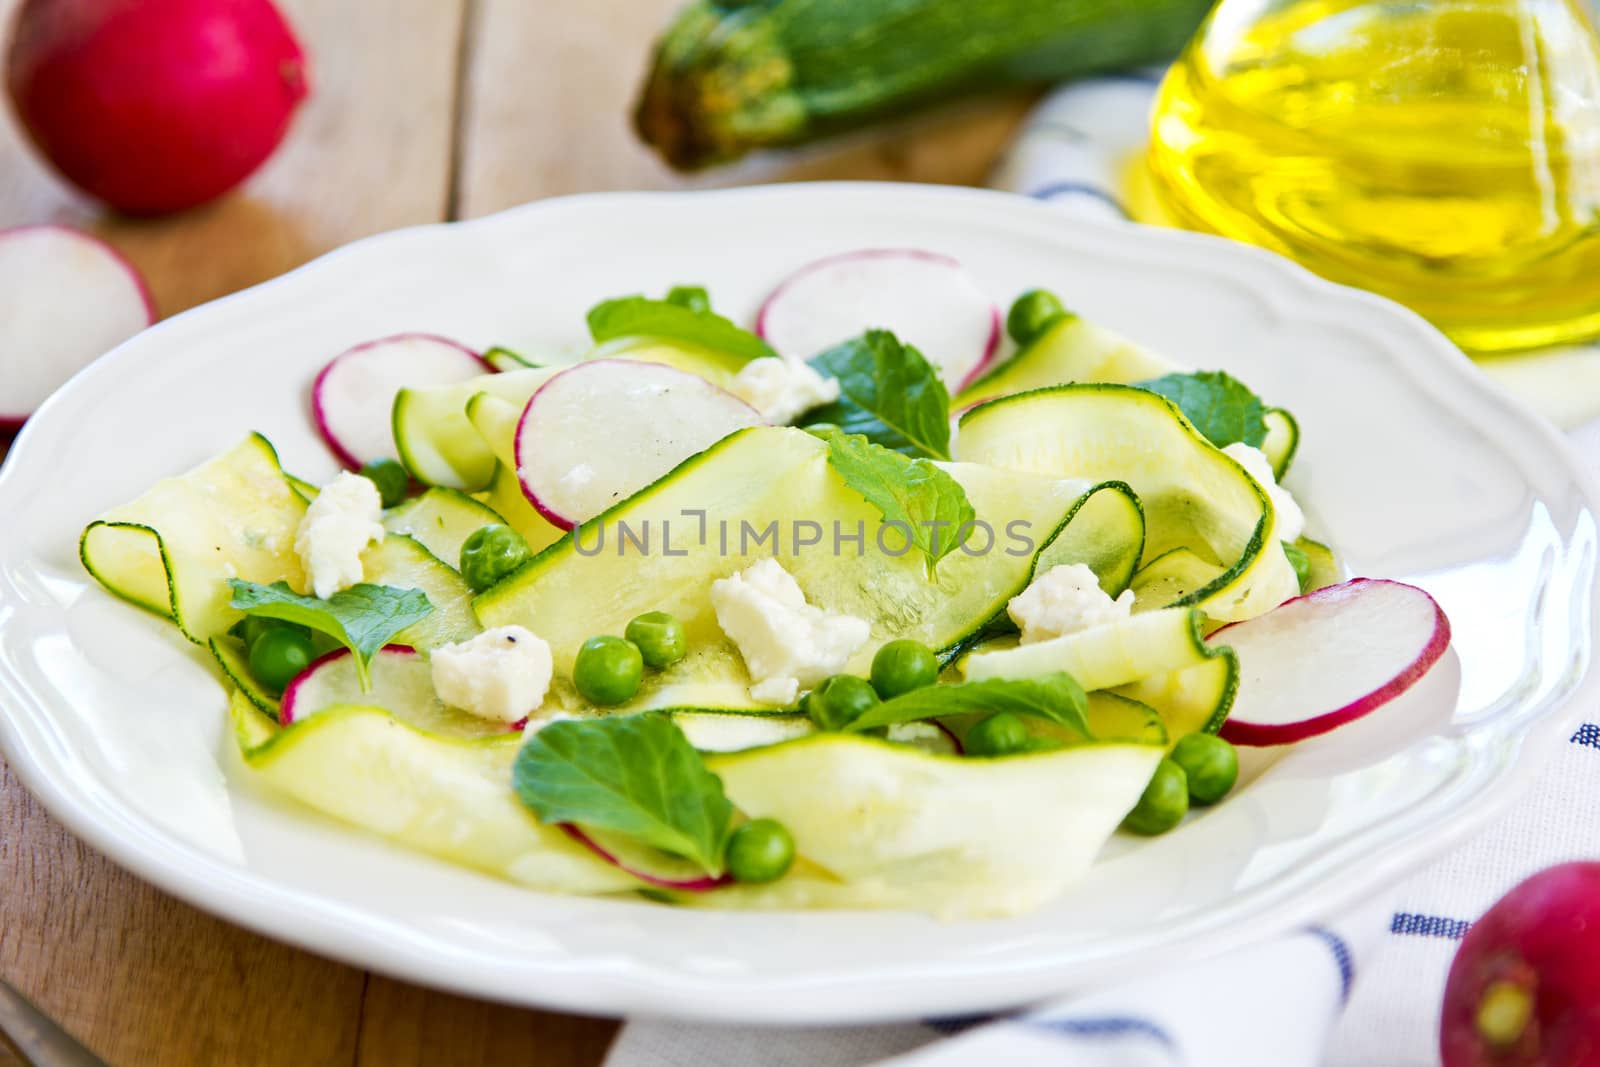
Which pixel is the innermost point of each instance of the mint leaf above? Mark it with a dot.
(888, 393)
(930, 505)
(637, 316)
(361, 618)
(630, 774)
(1221, 406)
(1301, 564)
(1057, 697)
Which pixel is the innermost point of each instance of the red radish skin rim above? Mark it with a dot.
(687, 885)
(11, 422)
(292, 690)
(561, 522)
(1264, 735)
(320, 417)
(996, 325)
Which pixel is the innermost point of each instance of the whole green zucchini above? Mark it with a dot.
(731, 76)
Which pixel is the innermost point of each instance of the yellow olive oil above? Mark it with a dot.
(1443, 154)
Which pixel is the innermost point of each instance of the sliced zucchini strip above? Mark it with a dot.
(1282, 441)
(252, 727)
(1192, 700)
(1193, 495)
(449, 797)
(1104, 657)
(305, 490)
(436, 442)
(230, 656)
(173, 550)
(1171, 578)
(760, 491)
(718, 368)
(1325, 569)
(441, 520)
(889, 826)
(403, 563)
(1073, 350)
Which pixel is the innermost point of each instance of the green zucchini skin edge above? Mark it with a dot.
(731, 77)
(1253, 548)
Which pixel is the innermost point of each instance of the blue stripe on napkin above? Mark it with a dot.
(1588, 734)
(1342, 958)
(1406, 922)
(1110, 1027)
(1057, 190)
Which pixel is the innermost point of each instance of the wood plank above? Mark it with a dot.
(142, 978)
(549, 101)
(404, 1026)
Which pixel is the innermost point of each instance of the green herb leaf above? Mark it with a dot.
(1220, 406)
(1301, 564)
(628, 774)
(637, 316)
(930, 505)
(693, 297)
(888, 393)
(1057, 697)
(361, 618)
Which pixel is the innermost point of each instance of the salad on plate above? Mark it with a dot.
(887, 602)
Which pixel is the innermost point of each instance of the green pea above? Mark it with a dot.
(278, 655)
(840, 701)
(250, 628)
(1004, 734)
(1210, 764)
(693, 297)
(903, 665)
(1164, 803)
(1032, 314)
(391, 479)
(660, 638)
(490, 553)
(760, 851)
(608, 670)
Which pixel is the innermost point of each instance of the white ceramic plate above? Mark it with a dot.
(1410, 464)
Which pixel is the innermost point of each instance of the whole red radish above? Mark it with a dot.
(155, 105)
(1524, 990)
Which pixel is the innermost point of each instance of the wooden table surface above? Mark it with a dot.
(422, 110)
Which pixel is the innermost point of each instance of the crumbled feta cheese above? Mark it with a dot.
(787, 643)
(338, 526)
(782, 390)
(1064, 600)
(501, 674)
(921, 734)
(1291, 520)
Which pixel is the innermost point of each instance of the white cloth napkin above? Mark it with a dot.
(1361, 990)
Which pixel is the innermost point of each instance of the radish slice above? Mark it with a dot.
(352, 399)
(65, 299)
(654, 868)
(402, 684)
(1323, 660)
(603, 430)
(927, 299)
